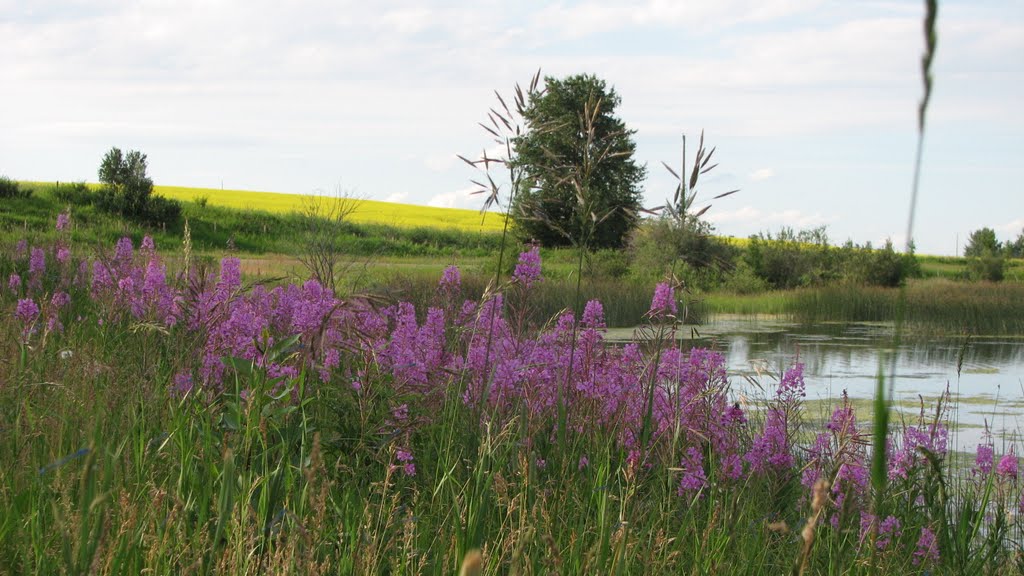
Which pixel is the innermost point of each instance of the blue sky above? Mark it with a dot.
(811, 103)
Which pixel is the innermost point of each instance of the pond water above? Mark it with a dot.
(987, 392)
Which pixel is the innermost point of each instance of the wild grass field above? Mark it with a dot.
(168, 415)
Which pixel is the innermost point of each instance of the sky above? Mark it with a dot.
(811, 104)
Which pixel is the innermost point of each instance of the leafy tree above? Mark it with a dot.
(986, 260)
(1015, 249)
(581, 183)
(128, 190)
(982, 242)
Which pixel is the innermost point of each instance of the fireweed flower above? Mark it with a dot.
(406, 459)
(451, 280)
(182, 384)
(983, 459)
(593, 314)
(123, 250)
(37, 262)
(14, 282)
(528, 268)
(927, 547)
(60, 299)
(63, 221)
(664, 301)
(63, 254)
(887, 530)
(1007, 467)
(27, 310)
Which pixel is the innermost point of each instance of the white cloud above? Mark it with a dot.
(750, 215)
(761, 174)
(463, 198)
(1011, 229)
(439, 162)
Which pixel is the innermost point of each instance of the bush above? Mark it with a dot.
(160, 210)
(608, 264)
(989, 267)
(661, 244)
(792, 260)
(744, 281)
(75, 193)
(884, 267)
(10, 189)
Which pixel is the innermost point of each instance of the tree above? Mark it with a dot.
(1015, 249)
(982, 242)
(986, 261)
(581, 184)
(128, 189)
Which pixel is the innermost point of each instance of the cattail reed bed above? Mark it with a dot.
(185, 421)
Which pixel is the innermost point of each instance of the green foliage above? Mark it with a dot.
(10, 189)
(805, 258)
(881, 267)
(128, 190)
(74, 193)
(1015, 249)
(791, 259)
(582, 185)
(985, 256)
(990, 267)
(659, 245)
(982, 242)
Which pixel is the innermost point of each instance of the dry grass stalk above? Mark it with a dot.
(472, 564)
(818, 501)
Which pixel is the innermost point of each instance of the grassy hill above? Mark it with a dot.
(259, 222)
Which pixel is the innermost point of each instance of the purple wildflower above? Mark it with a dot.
(147, 244)
(182, 384)
(406, 458)
(63, 221)
(593, 314)
(60, 299)
(528, 268)
(927, 547)
(451, 280)
(771, 448)
(14, 282)
(1007, 466)
(889, 528)
(584, 462)
(983, 459)
(664, 301)
(693, 472)
(37, 262)
(63, 254)
(792, 386)
(123, 250)
(27, 310)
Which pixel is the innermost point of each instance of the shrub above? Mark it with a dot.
(75, 193)
(10, 189)
(990, 267)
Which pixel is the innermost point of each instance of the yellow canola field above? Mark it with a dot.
(368, 211)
